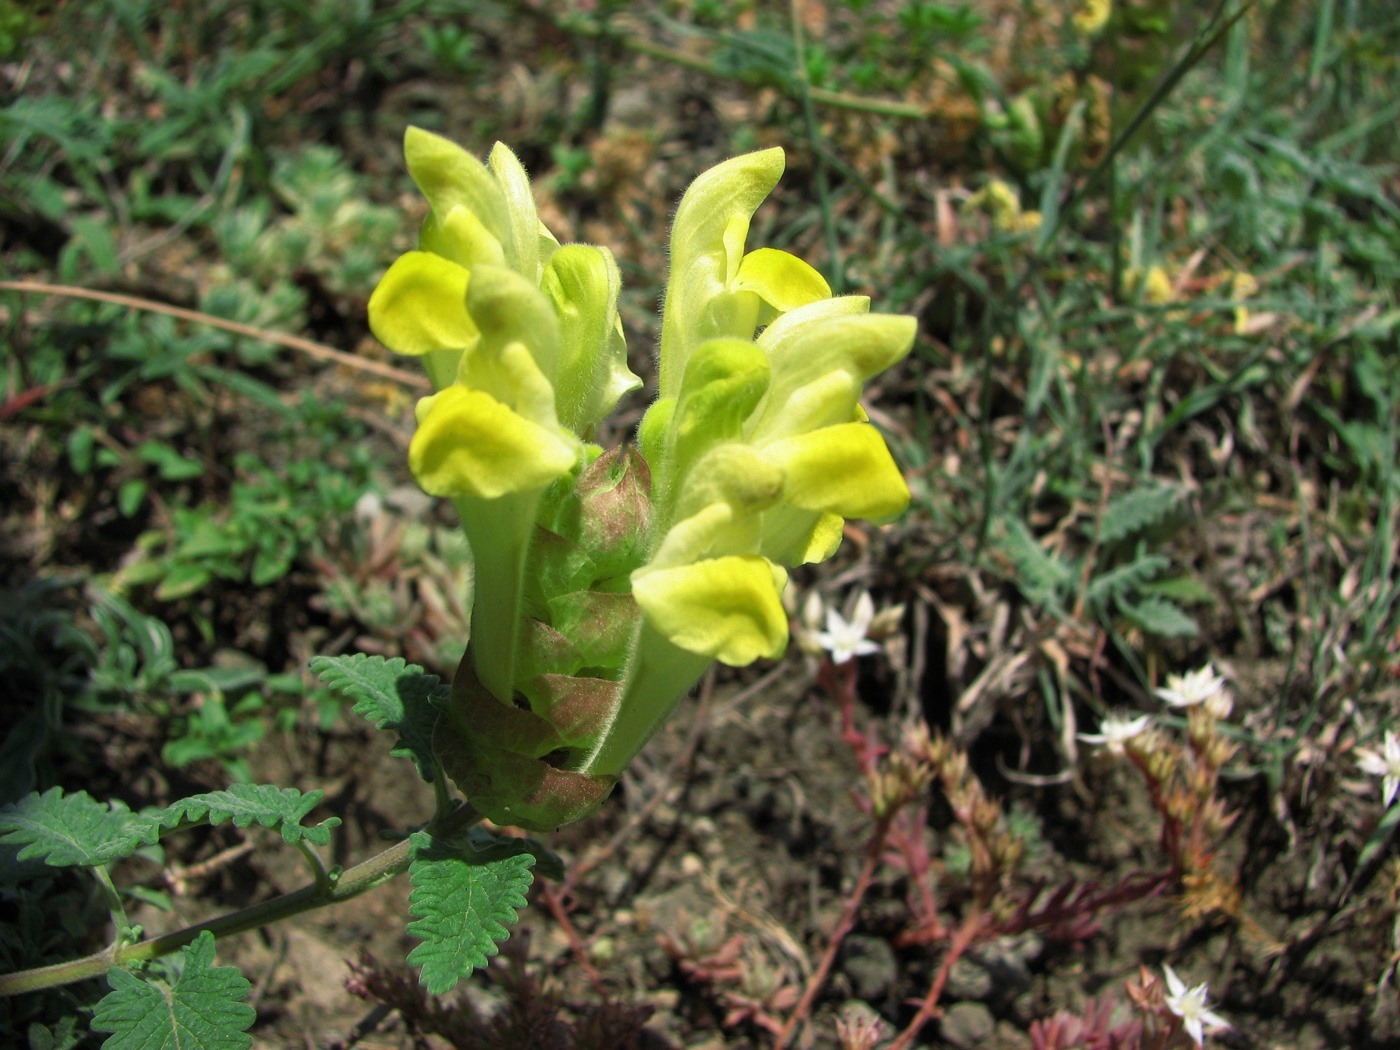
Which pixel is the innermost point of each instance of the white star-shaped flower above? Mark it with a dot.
(844, 640)
(1192, 688)
(1114, 731)
(1190, 1005)
(1383, 763)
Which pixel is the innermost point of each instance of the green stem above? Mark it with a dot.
(362, 877)
(322, 878)
(659, 673)
(499, 531)
(113, 899)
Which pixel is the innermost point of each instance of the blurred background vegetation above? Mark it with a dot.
(1151, 418)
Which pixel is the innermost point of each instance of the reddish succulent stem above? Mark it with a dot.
(874, 850)
(839, 680)
(968, 931)
(558, 907)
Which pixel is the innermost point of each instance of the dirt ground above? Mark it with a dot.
(738, 828)
(699, 900)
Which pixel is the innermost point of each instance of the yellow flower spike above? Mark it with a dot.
(450, 177)
(805, 351)
(461, 237)
(782, 280)
(707, 244)
(739, 475)
(728, 608)
(616, 584)
(470, 444)
(845, 470)
(757, 454)
(523, 220)
(420, 307)
(582, 283)
(515, 357)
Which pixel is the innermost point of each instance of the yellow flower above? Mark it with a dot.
(1242, 286)
(1092, 16)
(607, 582)
(758, 447)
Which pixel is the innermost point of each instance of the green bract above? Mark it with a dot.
(606, 582)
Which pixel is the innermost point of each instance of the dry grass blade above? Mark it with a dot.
(307, 346)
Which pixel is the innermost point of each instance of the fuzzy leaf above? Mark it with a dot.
(74, 830)
(1131, 512)
(1125, 578)
(1161, 617)
(246, 804)
(1043, 576)
(390, 694)
(201, 1009)
(464, 899)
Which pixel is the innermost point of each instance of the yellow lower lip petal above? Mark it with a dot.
(726, 607)
(845, 469)
(421, 305)
(470, 444)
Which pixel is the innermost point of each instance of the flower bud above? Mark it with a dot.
(615, 511)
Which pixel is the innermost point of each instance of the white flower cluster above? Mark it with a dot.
(1202, 687)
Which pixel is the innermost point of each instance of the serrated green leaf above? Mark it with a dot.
(390, 694)
(202, 1009)
(1131, 512)
(1160, 617)
(1042, 575)
(246, 804)
(488, 845)
(1185, 589)
(74, 830)
(463, 901)
(1124, 578)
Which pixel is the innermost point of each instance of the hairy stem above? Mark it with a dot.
(354, 881)
(113, 899)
